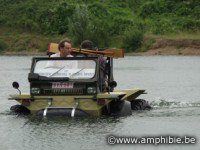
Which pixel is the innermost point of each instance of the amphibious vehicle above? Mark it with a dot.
(76, 86)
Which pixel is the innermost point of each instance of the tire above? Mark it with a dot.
(140, 104)
(120, 108)
(20, 109)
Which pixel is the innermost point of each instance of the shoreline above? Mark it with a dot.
(166, 51)
(23, 54)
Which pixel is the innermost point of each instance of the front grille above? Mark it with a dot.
(70, 91)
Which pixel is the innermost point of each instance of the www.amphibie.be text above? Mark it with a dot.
(151, 140)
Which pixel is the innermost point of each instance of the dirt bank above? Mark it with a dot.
(172, 47)
(159, 46)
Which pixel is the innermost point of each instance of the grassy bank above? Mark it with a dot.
(109, 23)
(20, 42)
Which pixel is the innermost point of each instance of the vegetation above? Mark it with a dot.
(119, 23)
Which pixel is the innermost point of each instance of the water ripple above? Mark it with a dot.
(170, 103)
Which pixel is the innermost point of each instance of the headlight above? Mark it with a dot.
(91, 90)
(35, 90)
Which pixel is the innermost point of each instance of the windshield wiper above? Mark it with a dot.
(76, 72)
(57, 71)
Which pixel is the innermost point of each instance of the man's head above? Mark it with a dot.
(65, 47)
(87, 44)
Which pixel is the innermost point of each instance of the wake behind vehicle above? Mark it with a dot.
(76, 86)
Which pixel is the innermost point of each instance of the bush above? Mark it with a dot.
(101, 24)
(150, 8)
(162, 25)
(188, 24)
(3, 46)
(79, 24)
(100, 33)
(55, 19)
(85, 25)
(119, 25)
(133, 39)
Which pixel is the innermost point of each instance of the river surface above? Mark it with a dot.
(173, 87)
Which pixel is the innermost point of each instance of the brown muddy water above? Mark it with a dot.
(173, 86)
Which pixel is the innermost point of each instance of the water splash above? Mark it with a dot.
(172, 103)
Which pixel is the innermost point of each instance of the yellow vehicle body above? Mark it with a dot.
(89, 104)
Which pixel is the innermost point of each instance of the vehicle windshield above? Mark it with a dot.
(73, 69)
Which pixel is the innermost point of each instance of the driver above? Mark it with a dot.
(65, 49)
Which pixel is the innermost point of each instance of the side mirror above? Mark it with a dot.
(15, 85)
(113, 84)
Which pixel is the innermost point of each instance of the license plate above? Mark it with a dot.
(62, 85)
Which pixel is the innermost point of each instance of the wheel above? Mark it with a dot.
(120, 108)
(140, 104)
(20, 109)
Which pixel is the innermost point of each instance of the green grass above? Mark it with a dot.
(18, 40)
(23, 41)
(181, 35)
(30, 25)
